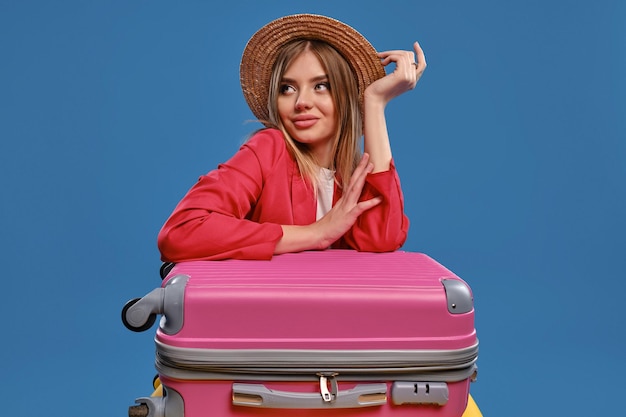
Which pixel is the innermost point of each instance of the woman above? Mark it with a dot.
(301, 183)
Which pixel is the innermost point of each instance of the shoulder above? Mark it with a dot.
(269, 148)
(270, 140)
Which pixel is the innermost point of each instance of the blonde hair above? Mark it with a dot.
(345, 95)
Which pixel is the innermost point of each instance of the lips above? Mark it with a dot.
(302, 122)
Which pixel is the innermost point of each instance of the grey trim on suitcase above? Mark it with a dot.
(169, 405)
(258, 395)
(405, 392)
(200, 359)
(303, 365)
(173, 305)
(362, 395)
(459, 296)
(310, 375)
(167, 301)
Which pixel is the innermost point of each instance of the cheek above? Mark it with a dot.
(284, 107)
(327, 106)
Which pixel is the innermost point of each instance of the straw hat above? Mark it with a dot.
(262, 50)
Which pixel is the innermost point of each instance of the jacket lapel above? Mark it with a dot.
(302, 198)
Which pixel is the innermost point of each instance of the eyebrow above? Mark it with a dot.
(314, 79)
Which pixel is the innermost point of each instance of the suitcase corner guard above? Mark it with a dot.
(139, 314)
(459, 296)
(169, 405)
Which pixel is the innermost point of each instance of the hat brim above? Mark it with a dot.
(263, 47)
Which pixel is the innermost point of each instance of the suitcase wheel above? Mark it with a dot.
(148, 324)
(140, 410)
(165, 269)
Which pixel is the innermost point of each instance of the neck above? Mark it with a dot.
(323, 155)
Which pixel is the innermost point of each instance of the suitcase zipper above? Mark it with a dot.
(326, 379)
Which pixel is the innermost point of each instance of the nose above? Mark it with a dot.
(303, 101)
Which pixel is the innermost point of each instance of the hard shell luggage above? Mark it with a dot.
(326, 333)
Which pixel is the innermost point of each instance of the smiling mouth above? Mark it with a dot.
(304, 123)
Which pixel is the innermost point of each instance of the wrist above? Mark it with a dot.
(300, 238)
(374, 102)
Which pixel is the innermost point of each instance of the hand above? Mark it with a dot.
(348, 208)
(327, 230)
(409, 68)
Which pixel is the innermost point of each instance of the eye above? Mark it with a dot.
(325, 86)
(286, 89)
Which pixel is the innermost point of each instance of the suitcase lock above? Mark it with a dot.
(328, 379)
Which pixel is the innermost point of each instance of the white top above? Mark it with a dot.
(325, 189)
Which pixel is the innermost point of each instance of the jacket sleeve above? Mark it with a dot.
(210, 221)
(384, 227)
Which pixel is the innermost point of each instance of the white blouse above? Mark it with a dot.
(326, 187)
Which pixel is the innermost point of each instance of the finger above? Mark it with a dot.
(386, 54)
(360, 172)
(405, 66)
(368, 204)
(399, 57)
(357, 180)
(421, 57)
(363, 206)
(360, 168)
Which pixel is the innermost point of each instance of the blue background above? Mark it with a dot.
(511, 150)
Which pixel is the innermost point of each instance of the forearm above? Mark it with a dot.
(300, 238)
(376, 137)
(408, 69)
(215, 236)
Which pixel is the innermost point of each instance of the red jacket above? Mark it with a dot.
(237, 210)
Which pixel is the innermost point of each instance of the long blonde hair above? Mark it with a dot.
(345, 95)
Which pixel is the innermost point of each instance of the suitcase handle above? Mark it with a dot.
(258, 395)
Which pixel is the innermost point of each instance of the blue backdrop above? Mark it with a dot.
(511, 151)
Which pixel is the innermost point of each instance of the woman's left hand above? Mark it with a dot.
(409, 68)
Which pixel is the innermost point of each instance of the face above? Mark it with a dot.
(305, 105)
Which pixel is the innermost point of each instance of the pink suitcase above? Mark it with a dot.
(327, 333)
